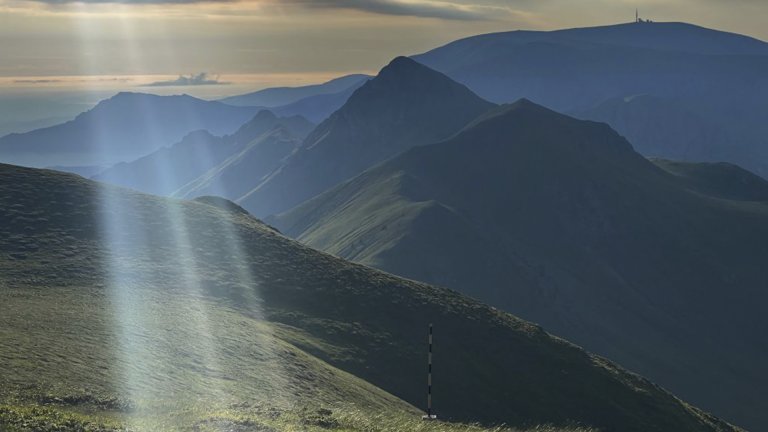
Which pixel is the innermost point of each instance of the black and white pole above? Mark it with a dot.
(429, 415)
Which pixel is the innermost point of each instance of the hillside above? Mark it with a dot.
(560, 222)
(406, 104)
(250, 165)
(280, 96)
(165, 171)
(130, 310)
(716, 76)
(658, 127)
(122, 128)
(319, 107)
(721, 180)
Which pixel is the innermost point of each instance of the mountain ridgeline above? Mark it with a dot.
(620, 222)
(167, 170)
(406, 104)
(716, 77)
(122, 128)
(559, 221)
(281, 96)
(192, 313)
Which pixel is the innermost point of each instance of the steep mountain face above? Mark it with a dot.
(719, 77)
(165, 171)
(188, 313)
(280, 96)
(319, 107)
(559, 221)
(407, 104)
(658, 127)
(721, 180)
(250, 165)
(122, 128)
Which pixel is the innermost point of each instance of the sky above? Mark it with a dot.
(60, 57)
(289, 41)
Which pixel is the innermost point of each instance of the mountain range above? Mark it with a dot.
(133, 125)
(406, 104)
(561, 222)
(659, 127)
(130, 310)
(122, 128)
(614, 197)
(319, 107)
(718, 77)
(165, 171)
(281, 96)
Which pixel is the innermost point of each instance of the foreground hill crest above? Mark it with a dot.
(223, 316)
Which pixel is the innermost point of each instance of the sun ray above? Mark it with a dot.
(141, 377)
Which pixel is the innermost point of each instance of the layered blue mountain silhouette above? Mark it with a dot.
(165, 171)
(281, 96)
(604, 182)
(405, 105)
(718, 77)
(561, 222)
(122, 128)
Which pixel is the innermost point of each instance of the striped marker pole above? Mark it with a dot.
(429, 415)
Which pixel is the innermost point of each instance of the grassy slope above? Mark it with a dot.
(132, 310)
(560, 222)
(722, 180)
(234, 176)
(406, 104)
(194, 158)
(123, 127)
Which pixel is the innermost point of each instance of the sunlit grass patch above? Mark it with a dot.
(48, 419)
(242, 417)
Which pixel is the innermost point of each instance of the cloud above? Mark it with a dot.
(138, 2)
(192, 80)
(36, 81)
(458, 10)
(418, 8)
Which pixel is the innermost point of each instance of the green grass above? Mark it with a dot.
(124, 310)
(255, 418)
(660, 268)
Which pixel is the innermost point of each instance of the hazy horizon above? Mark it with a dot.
(58, 58)
(286, 40)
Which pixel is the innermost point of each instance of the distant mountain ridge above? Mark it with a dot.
(319, 107)
(248, 165)
(659, 127)
(559, 221)
(716, 76)
(665, 36)
(165, 171)
(406, 104)
(123, 127)
(281, 96)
